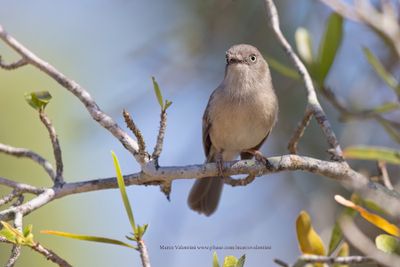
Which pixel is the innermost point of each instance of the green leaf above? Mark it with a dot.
(158, 93)
(304, 45)
(381, 71)
(167, 104)
(122, 189)
(97, 239)
(241, 261)
(215, 260)
(230, 261)
(336, 238)
(387, 107)
(343, 252)
(15, 236)
(329, 45)
(282, 69)
(388, 244)
(373, 153)
(140, 230)
(38, 100)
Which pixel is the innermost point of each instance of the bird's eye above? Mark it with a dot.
(253, 58)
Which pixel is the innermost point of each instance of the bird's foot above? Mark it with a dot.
(260, 158)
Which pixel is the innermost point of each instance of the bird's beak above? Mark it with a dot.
(233, 59)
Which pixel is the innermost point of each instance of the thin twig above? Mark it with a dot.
(281, 263)
(56, 147)
(138, 134)
(26, 153)
(16, 249)
(338, 260)
(9, 197)
(14, 65)
(160, 138)
(385, 175)
(364, 244)
(144, 255)
(294, 140)
(313, 103)
(21, 187)
(50, 255)
(94, 110)
(239, 182)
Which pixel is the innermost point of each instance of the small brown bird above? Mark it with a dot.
(238, 119)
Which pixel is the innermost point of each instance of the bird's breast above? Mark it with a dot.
(242, 124)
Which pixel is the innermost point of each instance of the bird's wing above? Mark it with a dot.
(206, 129)
(246, 155)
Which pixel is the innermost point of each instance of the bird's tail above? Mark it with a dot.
(205, 195)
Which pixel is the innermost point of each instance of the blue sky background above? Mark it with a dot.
(112, 48)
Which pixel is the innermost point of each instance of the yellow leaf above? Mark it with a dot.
(309, 240)
(371, 217)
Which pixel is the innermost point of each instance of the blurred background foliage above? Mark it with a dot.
(112, 48)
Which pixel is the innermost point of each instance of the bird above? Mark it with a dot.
(239, 117)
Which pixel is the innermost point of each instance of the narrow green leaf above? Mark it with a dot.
(282, 69)
(388, 244)
(15, 236)
(304, 44)
(241, 261)
(329, 45)
(386, 107)
(122, 189)
(343, 252)
(158, 92)
(215, 260)
(38, 100)
(167, 104)
(88, 238)
(230, 261)
(373, 153)
(381, 71)
(27, 230)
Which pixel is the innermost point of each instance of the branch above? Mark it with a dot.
(294, 140)
(385, 175)
(138, 134)
(94, 110)
(305, 259)
(56, 147)
(313, 103)
(21, 187)
(338, 171)
(160, 137)
(14, 65)
(50, 255)
(16, 249)
(7, 198)
(364, 244)
(26, 153)
(144, 255)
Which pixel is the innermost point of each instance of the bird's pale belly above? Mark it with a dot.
(239, 129)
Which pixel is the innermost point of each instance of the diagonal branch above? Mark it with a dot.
(26, 153)
(313, 103)
(364, 244)
(294, 140)
(56, 147)
(94, 110)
